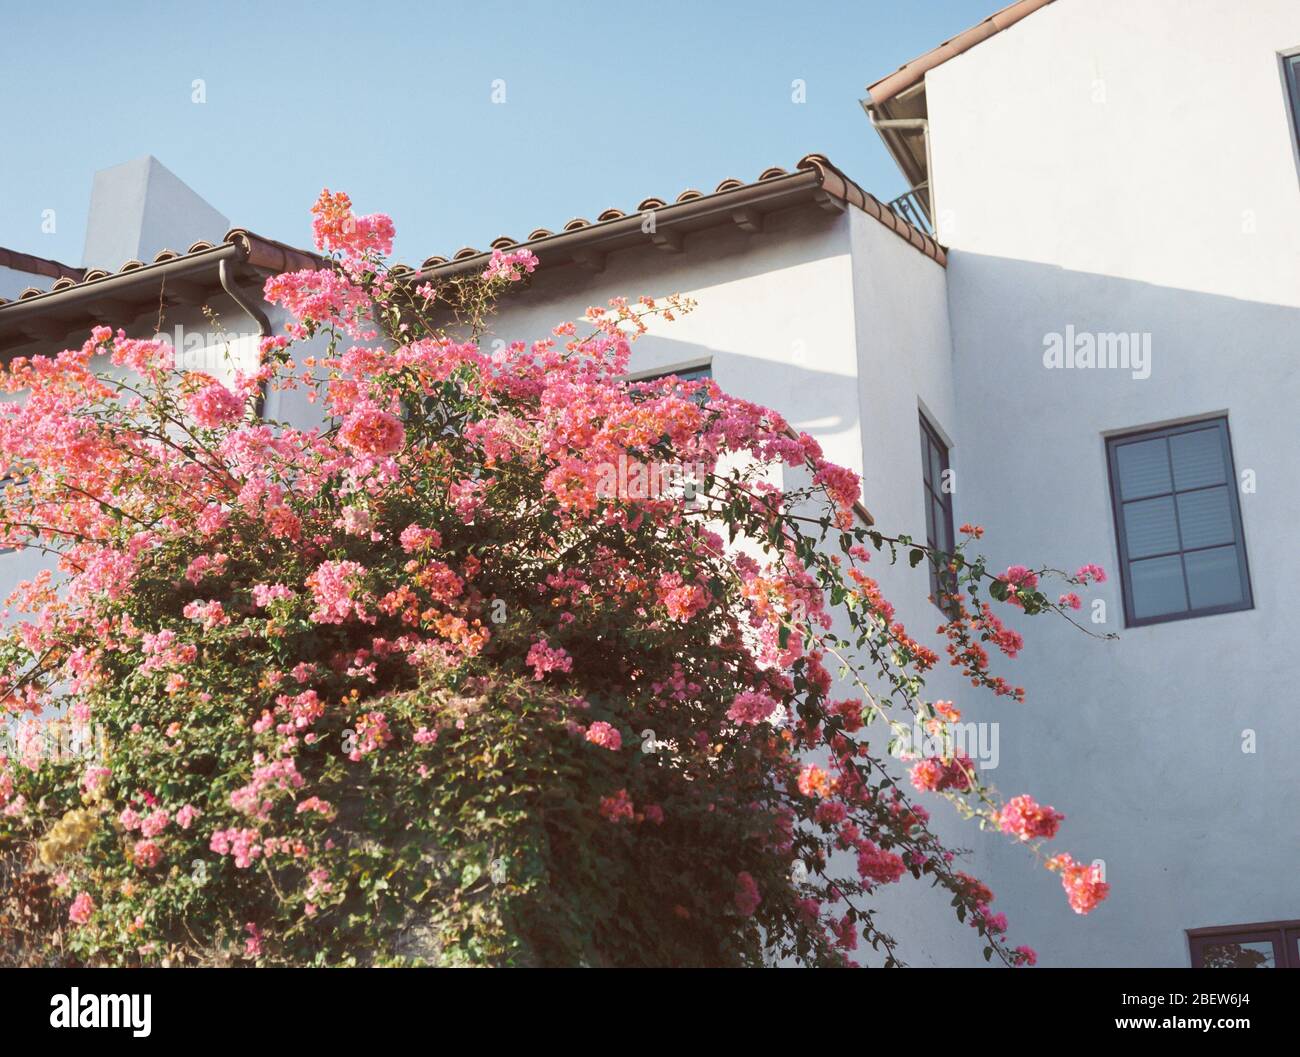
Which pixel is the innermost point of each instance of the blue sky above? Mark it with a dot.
(605, 104)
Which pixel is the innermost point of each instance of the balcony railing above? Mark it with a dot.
(914, 208)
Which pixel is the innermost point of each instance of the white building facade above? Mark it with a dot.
(1100, 174)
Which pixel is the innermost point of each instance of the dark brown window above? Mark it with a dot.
(938, 508)
(1268, 945)
(1178, 523)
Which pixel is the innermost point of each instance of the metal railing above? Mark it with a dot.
(913, 207)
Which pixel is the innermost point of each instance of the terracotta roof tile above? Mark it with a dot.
(32, 265)
(833, 182)
(259, 252)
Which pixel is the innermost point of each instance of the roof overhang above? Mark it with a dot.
(900, 96)
(117, 298)
(815, 181)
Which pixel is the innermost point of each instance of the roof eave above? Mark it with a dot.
(816, 181)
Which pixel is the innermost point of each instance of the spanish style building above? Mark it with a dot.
(1079, 328)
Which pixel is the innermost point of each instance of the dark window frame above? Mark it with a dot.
(931, 440)
(689, 371)
(1117, 441)
(1283, 935)
(1291, 72)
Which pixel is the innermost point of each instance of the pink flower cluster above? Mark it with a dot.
(1084, 888)
(81, 910)
(1026, 819)
(606, 736)
(415, 537)
(937, 775)
(751, 708)
(543, 658)
(617, 808)
(1090, 573)
(146, 854)
(244, 844)
(510, 266)
(335, 586)
(371, 431)
(213, 405)
(337, 229)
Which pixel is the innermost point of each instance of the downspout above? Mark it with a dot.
(250, 308)
(255, 313)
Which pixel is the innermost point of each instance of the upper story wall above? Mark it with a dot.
(774, 315)
(1149, 141)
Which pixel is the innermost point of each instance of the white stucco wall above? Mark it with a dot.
(141, 207)
(1130, 167)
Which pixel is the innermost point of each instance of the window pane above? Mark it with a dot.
(936, 466)
(1143, 468)
(695, 374)
(931, 532)
(941, 539)
(1205, 517)
(1150, 527)
(1213, 577)
(1255, 954)
(1157, 587)
(1198, 458)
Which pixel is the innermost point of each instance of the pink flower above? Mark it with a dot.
(747, 897)
(876, 864)
(243, 844)
(336, 586)
(1084, 888)
(937, 775)
(186, 815)
(1090, 572)
(543, 658)
(370, 431)
(1018, 576)
(265, 594)
(155, 823)
(95, 779)
(1026, 956)
(813, 781)
(607, 737)
(318, 806)
(1027, 819)
(146, 854)
(1070, 599)
(372, 734)
(617, 808)
(81, 910)
(751, 708)
(337, 228)
(510, 266)
(416, 538)
(214, 405)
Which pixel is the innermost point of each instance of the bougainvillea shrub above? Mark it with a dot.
(511, 661)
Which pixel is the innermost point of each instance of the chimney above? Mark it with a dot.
(141, 207)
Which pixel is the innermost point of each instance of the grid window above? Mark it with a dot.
(1178, 522)
(1270, 945)
(938, 507)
